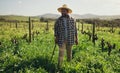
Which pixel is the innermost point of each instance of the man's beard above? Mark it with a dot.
(65, 15)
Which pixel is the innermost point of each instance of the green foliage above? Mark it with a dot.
(35, 57)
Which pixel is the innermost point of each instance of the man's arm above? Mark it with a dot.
(56, 31)
(76, 38)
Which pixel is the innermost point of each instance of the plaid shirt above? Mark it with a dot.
(60, 30)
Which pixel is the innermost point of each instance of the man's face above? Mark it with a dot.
(64, 12)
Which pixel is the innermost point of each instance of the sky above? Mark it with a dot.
(39, 7)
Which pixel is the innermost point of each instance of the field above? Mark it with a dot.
(18, 55)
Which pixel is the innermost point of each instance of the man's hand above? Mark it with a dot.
(56, 40)
(76, 40)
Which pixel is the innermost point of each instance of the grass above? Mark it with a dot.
(35, 57)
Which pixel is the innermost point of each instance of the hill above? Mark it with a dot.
(55, 16)
(85, 16)
(17, 17)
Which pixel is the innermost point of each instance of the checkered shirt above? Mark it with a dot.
(59, 30)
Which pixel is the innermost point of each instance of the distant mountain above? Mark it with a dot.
(76, 16)
(49, 15)
(85, 16)
(108, 17)
(13, 17)
(55, 16)
(17, 17)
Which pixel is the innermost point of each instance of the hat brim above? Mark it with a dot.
(60, 9)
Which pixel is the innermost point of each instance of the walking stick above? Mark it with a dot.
(53, 52)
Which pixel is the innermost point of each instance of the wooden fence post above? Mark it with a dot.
(102, 44)
(82, 26)
(93, 35)
(47, 28)
(78, 25)
(29, 30)
(32, 24)
(16, 25)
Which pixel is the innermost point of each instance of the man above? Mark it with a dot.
(65, 33)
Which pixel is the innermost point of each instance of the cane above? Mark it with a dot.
(53, 52)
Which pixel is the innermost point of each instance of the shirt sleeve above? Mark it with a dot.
(56, 28)
(75, 28)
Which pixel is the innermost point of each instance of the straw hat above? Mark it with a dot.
(64, 7)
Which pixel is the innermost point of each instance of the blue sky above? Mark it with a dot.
(38, 7)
